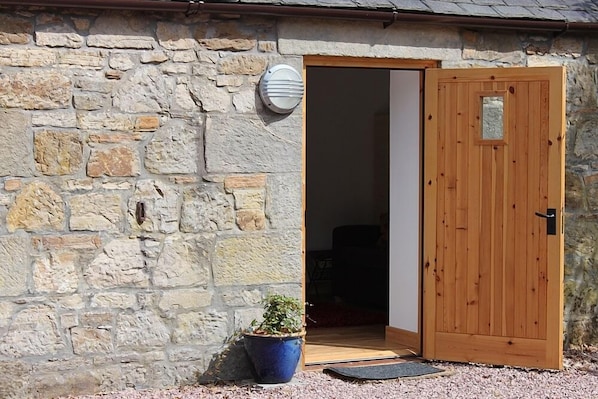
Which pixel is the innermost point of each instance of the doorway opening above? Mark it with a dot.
(355, 286)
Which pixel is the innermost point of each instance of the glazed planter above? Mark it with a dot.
(274, 358)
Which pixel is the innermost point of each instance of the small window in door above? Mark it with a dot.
(492, 118)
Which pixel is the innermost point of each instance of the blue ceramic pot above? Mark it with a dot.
(274, 359)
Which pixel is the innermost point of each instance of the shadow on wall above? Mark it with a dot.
(230, 364)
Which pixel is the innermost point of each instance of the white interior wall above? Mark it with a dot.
(404, 199)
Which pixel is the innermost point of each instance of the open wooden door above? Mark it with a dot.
(493, 210)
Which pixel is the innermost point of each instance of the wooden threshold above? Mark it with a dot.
(351, 344)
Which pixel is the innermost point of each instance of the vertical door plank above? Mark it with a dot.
(542, 262)
(461, 225)
(450, 170)
(536, 230)
(522, 214)
(440, 280)
(474, 292)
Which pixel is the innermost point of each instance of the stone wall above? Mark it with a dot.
(105, 115)
(148, 201)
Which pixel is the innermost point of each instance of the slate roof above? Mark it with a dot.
(584, 11)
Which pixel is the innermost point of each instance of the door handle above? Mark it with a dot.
(550, 217)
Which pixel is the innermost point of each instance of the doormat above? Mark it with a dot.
(384, 371)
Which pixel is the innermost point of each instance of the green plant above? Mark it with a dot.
(282, 315)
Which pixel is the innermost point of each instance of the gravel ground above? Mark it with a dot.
(579, 379)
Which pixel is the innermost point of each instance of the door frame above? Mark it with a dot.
(413, 340)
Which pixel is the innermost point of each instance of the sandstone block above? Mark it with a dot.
(105, 120)
(173, 36)
(211, 97)
(147, 90)
(121, 62)
(574, 191)
(237, 144)
(14, 252)
(160, 204)
(244, 181)
(116, 185)
(70, 241)
(91, 340)
(77, 184)
(242, 297)
(494, 47)
(33, 332)
(15, 30)
(141, 330)
(183, 100)
(184, 56)
(121, 31)
(96, 212)
(258, 259)
(56, 273)
(15, 379)
(251, 219)
(13, 184)
(147, 123)
(114, 161)
(206, 208)
(18, 57)
(35, 90)
(229, 80)
(119, 265)
(93, 85)
(586, 139)
(185, 299)
(69, 320)
(36, 208)
(243, 64)
(198, 328)
(70, 302)
(58, 152)
(227, 36)
(244, 101)
(114, 138)
(284, 207)
(249, 199)
(174, 149)
(102, 320)
(244, 317)
(266, 46)
(153, 57)
(299, 37)
(567, 46)
(16, 150)
(81, 23)
(89, 101)
(113, 300)
(184, 261)
(58, 36)
(54, 118)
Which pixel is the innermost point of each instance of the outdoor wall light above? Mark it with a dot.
(281, 89)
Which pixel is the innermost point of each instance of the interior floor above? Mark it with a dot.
(350, 344)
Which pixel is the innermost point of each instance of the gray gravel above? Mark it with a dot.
(579, 379)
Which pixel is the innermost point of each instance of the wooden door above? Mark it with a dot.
(494, 157)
